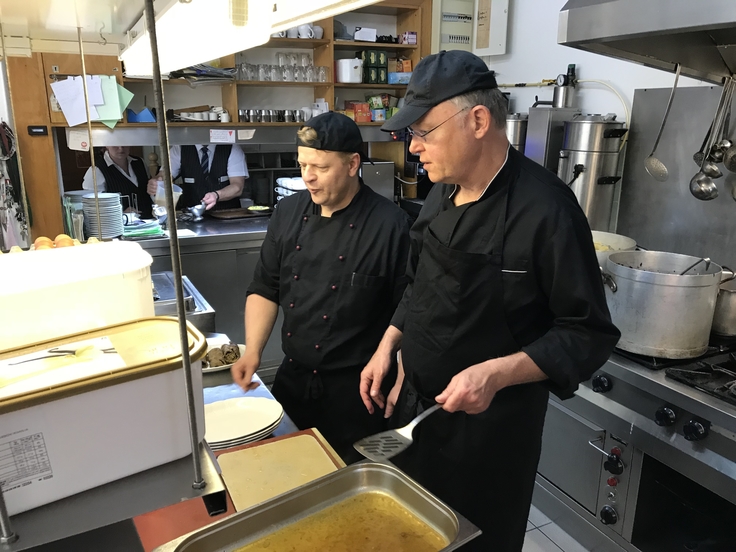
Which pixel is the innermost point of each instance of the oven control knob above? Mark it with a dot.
(613, 464)
(696, 430)
(609, 515)
(602, 384)
(665, 416)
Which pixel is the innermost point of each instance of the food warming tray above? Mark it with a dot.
(254, 523)
(80, 411)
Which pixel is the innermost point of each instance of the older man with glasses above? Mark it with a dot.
(504, 303)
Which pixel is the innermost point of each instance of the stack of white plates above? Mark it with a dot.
(111, 214)
(239, 421)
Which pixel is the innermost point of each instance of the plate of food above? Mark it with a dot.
(260, 208)
(221, 356)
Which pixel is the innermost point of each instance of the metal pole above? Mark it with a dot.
(163, 140)
(6, 531)
(23, 196)
(89, 131)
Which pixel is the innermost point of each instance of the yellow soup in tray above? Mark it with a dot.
(367, 522)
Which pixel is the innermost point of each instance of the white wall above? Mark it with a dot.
(533, 54)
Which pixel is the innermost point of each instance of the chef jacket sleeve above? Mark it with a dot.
(582, 335)
(266, 275)
(429, 211)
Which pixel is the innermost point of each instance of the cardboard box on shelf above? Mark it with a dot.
(378, 114)
(370, 75)
(361, 111)
(373, 58)
(391, 111)
(399, 78)
(365, 34)
(382, 75)
(409, 37)
(392, 65)
(403, 65)
(386, 100)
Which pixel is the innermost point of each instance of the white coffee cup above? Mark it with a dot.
(319, 32)
(198, 115)
(292, 33)
(305, 31)
(212, 116)
(280, 34)
(224, 117)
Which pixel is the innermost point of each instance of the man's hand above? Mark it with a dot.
(243, 371)
(473, 389)
(209, 200)
(371, 378)
(152, 186)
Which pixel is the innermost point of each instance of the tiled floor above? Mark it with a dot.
(544, 536)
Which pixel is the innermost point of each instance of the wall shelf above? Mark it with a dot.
(296, 43)
(283, 83)
(372, 86)
(353, 45)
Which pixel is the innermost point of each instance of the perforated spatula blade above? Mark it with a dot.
(387, 444)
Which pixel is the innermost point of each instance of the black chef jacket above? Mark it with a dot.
(338, 279)
(553, 296)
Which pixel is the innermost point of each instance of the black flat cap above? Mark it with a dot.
(437, 78)
(335, 132)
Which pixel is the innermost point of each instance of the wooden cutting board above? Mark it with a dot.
(256, 474)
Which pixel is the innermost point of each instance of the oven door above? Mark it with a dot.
(567, 460)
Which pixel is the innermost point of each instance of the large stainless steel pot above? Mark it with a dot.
(516, 124)
(599, 133)
(724, 319)
(659, 312)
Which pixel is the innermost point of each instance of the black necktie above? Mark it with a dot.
(205, 163)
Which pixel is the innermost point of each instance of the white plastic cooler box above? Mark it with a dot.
(87, 409)
(55, 292)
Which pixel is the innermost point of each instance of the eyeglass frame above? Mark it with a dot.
(415, 134)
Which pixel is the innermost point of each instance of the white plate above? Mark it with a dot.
(235, 418)
(252, 437)
(224, 366)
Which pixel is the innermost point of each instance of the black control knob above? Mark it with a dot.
(665, 416)
(613, 464)
(609, 515)
(696, 430)
(602, 384)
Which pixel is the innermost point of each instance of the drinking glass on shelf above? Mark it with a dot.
(292, 58)
(288, 73)
(322, 73)
(251, 71)
(264, 72)
(277, 74)
(281, 58)
(309, 74)
(305, 59)
(299, 75)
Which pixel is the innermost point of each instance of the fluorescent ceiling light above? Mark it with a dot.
(196, 32)
(290, 13)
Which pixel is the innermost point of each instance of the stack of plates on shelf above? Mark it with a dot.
(239, 421)
(111, 215)
(288, 186)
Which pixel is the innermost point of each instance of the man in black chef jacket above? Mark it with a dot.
(504, 303)
(334, 258)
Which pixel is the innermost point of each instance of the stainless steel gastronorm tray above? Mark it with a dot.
(254, 523)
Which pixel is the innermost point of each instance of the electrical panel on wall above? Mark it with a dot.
(455, 25)
(478, 26)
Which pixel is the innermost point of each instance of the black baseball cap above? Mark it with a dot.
(335, 132)
(437, 78)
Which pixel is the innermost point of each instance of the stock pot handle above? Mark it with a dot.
(609, 281)
(727, 274)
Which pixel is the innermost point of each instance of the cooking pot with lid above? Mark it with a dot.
(659, 312)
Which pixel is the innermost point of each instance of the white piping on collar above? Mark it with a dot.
(492, 179)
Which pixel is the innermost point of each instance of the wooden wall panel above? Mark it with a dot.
(37, 156)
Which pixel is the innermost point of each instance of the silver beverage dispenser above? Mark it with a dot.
(589, 164)
(516, 129)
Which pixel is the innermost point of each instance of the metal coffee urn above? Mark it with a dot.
(516, 129)
(589, 164)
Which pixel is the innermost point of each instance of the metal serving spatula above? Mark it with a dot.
(387, 444)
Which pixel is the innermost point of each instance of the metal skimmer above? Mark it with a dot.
(387, 444)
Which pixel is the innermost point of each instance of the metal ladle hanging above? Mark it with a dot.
(654, 166)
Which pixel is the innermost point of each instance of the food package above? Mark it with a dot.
(409, 37)
(231, 352)
(375, 102)
(378, 114)
(399, 78)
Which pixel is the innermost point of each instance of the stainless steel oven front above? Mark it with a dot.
(638, 462)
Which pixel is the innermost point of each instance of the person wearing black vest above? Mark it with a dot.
(211, 174)
(118, 171)
(504, 304)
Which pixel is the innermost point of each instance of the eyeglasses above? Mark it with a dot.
(422, 134)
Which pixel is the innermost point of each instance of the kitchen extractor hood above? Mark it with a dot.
(657, 33)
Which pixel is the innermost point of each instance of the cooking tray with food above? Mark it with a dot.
(395, 514)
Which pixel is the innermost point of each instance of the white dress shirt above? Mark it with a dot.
(88, 184)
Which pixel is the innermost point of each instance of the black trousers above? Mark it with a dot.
(330, 401)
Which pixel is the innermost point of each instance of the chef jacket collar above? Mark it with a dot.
(506, 160)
